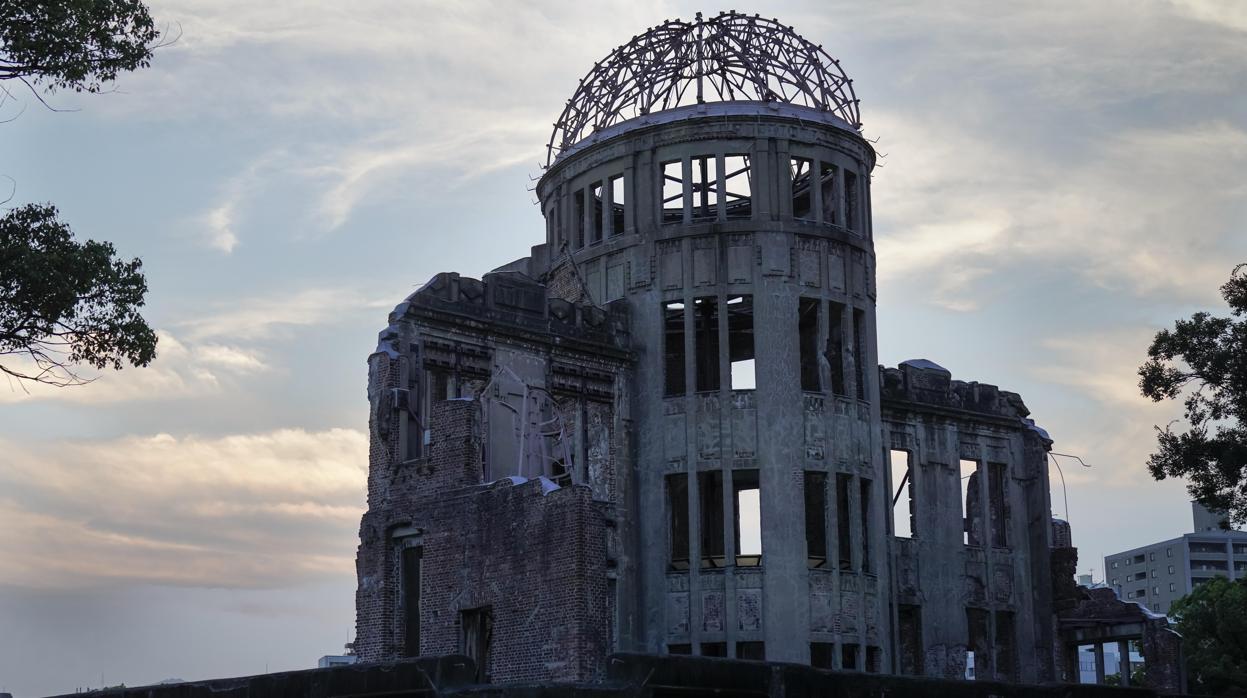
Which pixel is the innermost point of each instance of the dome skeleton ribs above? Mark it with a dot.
(725, 58)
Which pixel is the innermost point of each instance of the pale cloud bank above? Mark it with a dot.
(246, 510)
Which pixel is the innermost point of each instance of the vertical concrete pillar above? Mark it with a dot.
(1123, 661)
(1099, 663)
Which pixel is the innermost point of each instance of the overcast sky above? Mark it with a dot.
(1058, 181)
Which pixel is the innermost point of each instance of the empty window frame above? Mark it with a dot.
(710, 491)
(618, 205)
(673, 192)
(476, 627)
(998, 503)
(677, 505)
(835, 347)
(911, 648)
(802, 196)
(864, 510)
(1006, 647)
(874, 660)
(737, 187)
(821, 654)
(815, 518)
(754, 651)
(848, 656)
(859, 351)
(578, 213)
(852, 207)
(714, 649)
(706, 336)
(673, 348)
(904, 524)
(705, 187)
(807, 328)
(969, 473)
(844, 534)
(599, 206)
(748, 520)
(410, 595)
(978, 645)
(680, 649)
(740, 342)
(828, 193)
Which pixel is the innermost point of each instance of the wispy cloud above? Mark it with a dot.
(238, 511)
(264, 317)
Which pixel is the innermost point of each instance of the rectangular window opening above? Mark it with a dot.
(714, 649)
(821, 654)
(673, 348)
(578, 210)
(835, 347)
(599, 210)
(844, 537)
(969, 502)
(681, 649)
(852, 214)
(748, 524)
(827, 183)
(706, 327)
(807, 327)
(677, 501)
(998, 503)
(710, 490)
(737, 186)
(618, 204)
(1006, 647)
(476, 631)
(912, 651)
(977, 644)
(859, 351)
(411, 557)
(848, 656)
(904, 517)
(815, 518)
(802, 198)
(740, 342)
(705, 188)
(673, 192)
(874, 660)
(864, 509)
(753, 651)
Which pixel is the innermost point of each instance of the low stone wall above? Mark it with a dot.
(628, 676)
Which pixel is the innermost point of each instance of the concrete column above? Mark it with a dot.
(1123, 661)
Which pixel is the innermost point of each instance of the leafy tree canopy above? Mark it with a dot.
(1205, 358)
(64, 302)
(1212, 620)
(74, 44)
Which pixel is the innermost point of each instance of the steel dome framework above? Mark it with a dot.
(730, 57)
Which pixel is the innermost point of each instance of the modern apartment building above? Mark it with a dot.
(1156, 575)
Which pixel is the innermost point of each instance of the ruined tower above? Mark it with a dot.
(664, 430)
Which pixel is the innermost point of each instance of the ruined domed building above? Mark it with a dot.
(666, 431)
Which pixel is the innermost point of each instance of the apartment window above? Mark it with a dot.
(740, 342)
(677, 502)
(1168, 552)
(835, 346)
(737, 186)
(821, 654)
(754, 651)
(802, 198)
(1127, 562)
(1153, 574)
(710, 486)
(1171, 569)
(904, 524)
(618, 204)
(969, 502)
(1114, 582)
(673, 348)
(1156, 591)
(705, 188)
(807, 328)
(1151, 557)
(673, 192)
(815, 518)
(1114, 564)
(706, 328)
(748, 522)
(410, 584)
(843, 535)
(1173, 587)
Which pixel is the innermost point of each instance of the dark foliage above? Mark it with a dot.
(74, 44)
(1212, 620)
(64, 302)
(1205, 359)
